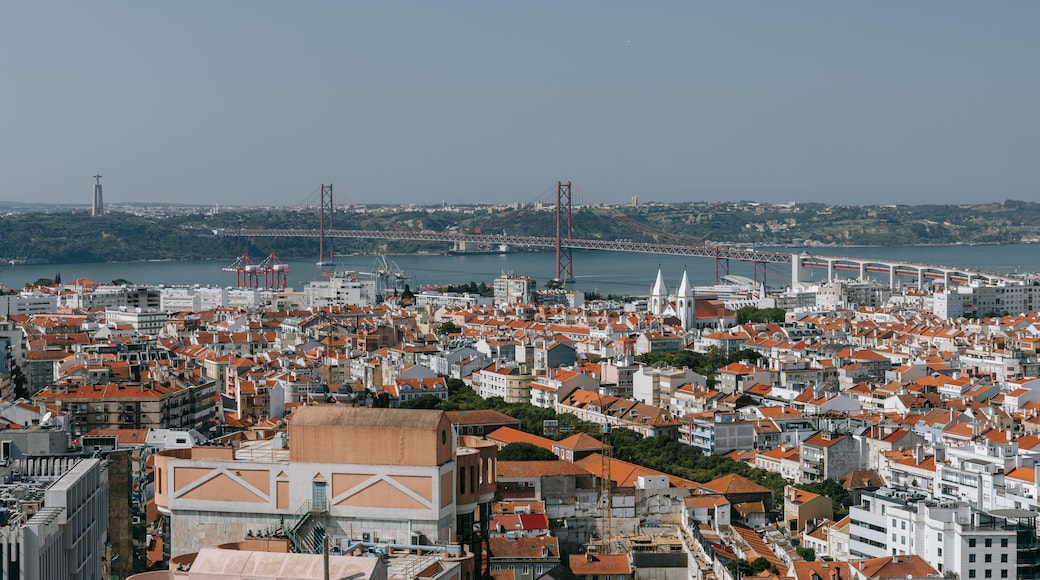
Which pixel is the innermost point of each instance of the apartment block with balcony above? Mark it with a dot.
(955, 538)
(828, 455)
(120, 405)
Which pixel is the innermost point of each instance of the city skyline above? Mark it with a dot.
(257, 103)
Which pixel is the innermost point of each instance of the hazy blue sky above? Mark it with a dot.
(249, 102)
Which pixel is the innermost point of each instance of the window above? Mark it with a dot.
(893, 537)
(971, 573)
(989, 542)
(988, 573)
(902, 525)
(988, 558)
(526, 570)
(971, 543)
(971, 557)
(1003, 542)
(1003, 574)
(1003, 558)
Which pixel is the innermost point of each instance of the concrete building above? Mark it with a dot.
(717, 433)
(341, 289)
(405, 479)
(144, 321)
(510, 289)
(828, 456)
(27, 304)
(117, 405)
(654, 386)
(953, 537)
(56, 520)
(512, 383)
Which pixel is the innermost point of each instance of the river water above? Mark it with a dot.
(604, 272)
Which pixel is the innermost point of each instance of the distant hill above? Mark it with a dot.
(176, 231)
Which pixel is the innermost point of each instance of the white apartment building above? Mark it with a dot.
(59, 527)
(25, 304)
(450, 300)
(654, 386)
(342, 289)
(510, 289)
(974, 473)
(143, 321)
(192, 298)
(953, 537)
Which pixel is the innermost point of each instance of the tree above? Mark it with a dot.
(19, 381)
(753, 314)
(525, 452)
(422, 402)
(741, 568)
(807, 554)
(839, 496)
(448, 327)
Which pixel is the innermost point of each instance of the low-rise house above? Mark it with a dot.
(590, 566)
(801, 507)
(528, 558)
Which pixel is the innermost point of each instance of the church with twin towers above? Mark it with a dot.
(682, 305)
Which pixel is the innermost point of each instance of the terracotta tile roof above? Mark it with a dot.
(580, 442)
(734, 483)
(532, 469)
(905, 566)
(525, 547)
(507, 435)
(124, 436)
(823, 440)
(1023, 474)
(599, 564)
(705, 501)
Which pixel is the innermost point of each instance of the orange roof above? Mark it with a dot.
(532, 469)
(734, 483)
(1023, 474)
(599, 564)
(507, 435)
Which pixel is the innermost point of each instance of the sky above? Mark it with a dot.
(249, 102)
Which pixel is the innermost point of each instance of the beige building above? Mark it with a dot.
(802, 506)
(359, 476)
(122, 405)
(510, 382)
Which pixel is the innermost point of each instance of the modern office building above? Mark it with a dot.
(56, 511)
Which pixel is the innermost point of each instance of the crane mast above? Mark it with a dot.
(606, 485)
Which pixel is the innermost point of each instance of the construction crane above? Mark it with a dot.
(606, 483)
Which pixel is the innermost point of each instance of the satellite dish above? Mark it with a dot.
(45, 421)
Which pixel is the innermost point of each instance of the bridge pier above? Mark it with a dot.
(799, 273)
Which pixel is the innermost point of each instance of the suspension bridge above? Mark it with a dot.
(564, 242)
